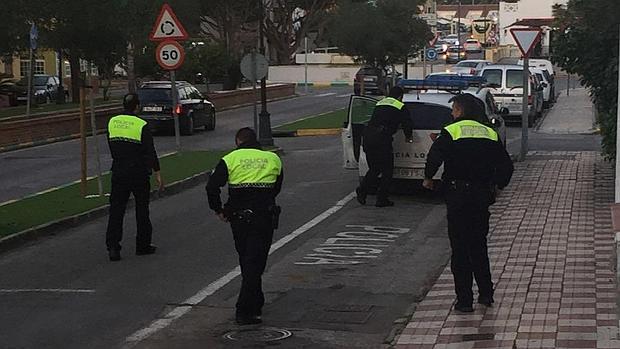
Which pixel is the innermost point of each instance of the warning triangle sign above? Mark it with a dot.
(167, 26)
(526, 39)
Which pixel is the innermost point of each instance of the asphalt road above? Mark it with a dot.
(32, 170)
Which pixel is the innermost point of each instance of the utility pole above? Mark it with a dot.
(458, 31)
(264, 131)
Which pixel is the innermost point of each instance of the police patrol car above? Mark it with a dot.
(429, 106)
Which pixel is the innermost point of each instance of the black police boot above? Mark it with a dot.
(361, 196)
(150, 249)
(248, 319)
(384, 203)
(463, 308)
(114, 254)
(486, 300)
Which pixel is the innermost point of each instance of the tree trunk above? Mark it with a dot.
(76, 77)
(131, 69)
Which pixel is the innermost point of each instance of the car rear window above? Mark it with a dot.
(151, 95)
(493, 76)
(467, 64)
(428, 116)
(514, 78)
(367, 71)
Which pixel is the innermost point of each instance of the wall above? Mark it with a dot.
(511, 12)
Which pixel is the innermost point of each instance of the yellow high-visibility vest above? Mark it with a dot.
(392, 102)
(252, 168)
(471, 129)
(126, 128)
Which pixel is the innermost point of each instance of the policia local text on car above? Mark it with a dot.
(133, 160)
(254, 178)
(475, 163)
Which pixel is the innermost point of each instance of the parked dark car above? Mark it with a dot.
(45, 88)
(193, 109)
(369, 77)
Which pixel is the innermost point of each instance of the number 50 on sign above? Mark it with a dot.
(170, 55)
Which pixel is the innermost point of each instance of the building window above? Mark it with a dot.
(24, 67)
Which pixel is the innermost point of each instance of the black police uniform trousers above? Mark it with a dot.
(468, 226)
(122, 186)
(252, 242)
(380, 164)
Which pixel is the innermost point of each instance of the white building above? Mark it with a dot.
(526, 13)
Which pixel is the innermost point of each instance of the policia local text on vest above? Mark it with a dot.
(133, 160)
(254, 180)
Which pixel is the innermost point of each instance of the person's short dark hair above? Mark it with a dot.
(246, 135)
(131, 102)
(473, 108)
(396, 92)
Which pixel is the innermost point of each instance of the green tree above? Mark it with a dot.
(587, 45)
(388, 33)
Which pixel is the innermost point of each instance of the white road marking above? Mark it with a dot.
(346, 95)
(325, 94)
(166, 320)
(45, 290)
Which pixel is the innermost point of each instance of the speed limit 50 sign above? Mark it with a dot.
(170, 55)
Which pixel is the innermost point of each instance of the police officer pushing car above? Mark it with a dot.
(254, 178)
(388, 115)
(475, 163)
(133, 160)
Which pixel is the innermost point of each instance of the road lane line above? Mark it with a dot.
(166, 320)
(324, 94)
(45, 290)
(344, 95)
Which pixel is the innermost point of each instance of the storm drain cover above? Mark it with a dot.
(266, 334)
(478, 337)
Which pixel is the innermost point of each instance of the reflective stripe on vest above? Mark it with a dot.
(471, 129)
(252, 168)
(126, 128)
(391, 102)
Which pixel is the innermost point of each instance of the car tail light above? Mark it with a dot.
(472, 71)
(530, 99)
(178, 109)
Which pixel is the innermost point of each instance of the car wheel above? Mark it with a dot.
(188, 126)
(210, 126)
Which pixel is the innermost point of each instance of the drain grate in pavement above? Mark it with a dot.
(551, 157)
(478, 337)
(266, 334)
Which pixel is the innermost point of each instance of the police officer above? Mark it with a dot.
(254, 178)
(388, 115)
(133, 160)
(475, 163)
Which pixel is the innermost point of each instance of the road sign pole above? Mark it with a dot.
(30, 74)
(93, 127)
(173, 88)
(617, 197)
(306, 64)
(525, 108)
(255, 99)
(83, 149)
(424, 60)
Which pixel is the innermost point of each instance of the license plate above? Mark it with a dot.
(152, 109)
(409, 173)
(369, 79)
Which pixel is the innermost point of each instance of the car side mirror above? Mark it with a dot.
(504, 111)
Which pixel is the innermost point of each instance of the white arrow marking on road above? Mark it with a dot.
(213, 287)
(45, 290)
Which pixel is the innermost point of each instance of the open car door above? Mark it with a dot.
(359, 113)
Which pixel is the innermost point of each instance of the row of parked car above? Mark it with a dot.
(44, 87)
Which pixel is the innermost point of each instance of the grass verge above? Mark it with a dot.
(52, 107)
(333, 119)
(66, 201)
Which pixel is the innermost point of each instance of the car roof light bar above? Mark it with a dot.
(433, 84)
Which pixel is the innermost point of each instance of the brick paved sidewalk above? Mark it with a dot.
(552, 256)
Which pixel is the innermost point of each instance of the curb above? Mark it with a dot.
(325, 84)
(52, 228)
(309, 132)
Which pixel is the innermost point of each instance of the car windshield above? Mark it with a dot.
(493, 76)
(514, 78)
(429, 116)
(151, 95)
(467, 64)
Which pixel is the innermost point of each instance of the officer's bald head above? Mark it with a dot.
(245, 135)
(131, 101)
(396, 92)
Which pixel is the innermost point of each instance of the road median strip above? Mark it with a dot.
(324, 124)
(59, 208)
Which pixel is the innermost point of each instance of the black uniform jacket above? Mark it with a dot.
(474, 160)
(383, 125)
(258, 199)
(132, 159)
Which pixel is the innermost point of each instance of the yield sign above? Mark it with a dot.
(167, 26)
(526, 38)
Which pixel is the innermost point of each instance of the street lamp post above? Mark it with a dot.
(458, 31)
(264, 131)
